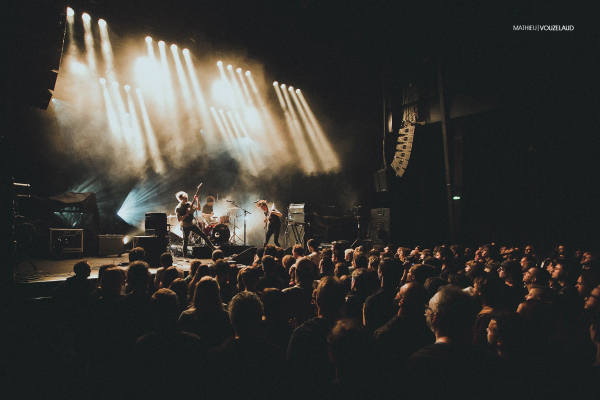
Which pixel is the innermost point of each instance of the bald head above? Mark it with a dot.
(412, 298)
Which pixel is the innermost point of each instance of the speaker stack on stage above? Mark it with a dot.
(379, 228)
(155, 241)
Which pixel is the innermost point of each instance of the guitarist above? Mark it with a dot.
(272, 221)
(185, 216)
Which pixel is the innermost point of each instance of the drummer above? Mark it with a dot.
(207, 209)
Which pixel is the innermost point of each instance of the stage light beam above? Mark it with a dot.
(305, 156)
(149, 135)
(107, 52)
(200, 102)
(185, 91)
(88, 39)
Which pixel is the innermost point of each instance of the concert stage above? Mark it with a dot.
(31, 282)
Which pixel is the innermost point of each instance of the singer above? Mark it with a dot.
(272, 221)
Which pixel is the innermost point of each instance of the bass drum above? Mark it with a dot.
(220, 234)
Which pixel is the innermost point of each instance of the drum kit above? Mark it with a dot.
(217, 228)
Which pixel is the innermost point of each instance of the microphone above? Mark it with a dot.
(228, 200)
(256, 201)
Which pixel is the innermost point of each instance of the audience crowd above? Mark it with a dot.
(336, 323)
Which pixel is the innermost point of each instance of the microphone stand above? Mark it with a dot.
(245, 213)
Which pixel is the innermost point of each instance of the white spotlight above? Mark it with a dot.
(291, 88)
(127, 87)
(283, 85)
(138, 90)
(115, 84)
(161, 43)
(86, 17)
(212, 109)
(298, 91)
(148, 39)
(185, 52)
(219, 63)
(239, 70)
(173, 47)
(275, 83)
(229, 67)
(220, 111)
(70, 12)
(102, 81)
(102, 23)
(247, 73)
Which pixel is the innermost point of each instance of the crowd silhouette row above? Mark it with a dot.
(390, 322)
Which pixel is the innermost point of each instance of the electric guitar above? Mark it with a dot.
(270, 212)
(180, 218)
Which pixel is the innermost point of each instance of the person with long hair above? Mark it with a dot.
(207, 317)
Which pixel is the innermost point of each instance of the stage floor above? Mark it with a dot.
(59, 270)
(49, 273)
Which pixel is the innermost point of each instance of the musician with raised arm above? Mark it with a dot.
(185, 216)
(272, 221)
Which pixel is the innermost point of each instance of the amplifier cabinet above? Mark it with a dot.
(66, 240)
(110, 244)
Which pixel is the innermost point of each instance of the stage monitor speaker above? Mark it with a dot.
(202, 252)
(356, 243)
(156, 224)
(381, 181)
(153, 246)
(246, 257)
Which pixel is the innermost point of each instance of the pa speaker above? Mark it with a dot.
(246, 257)
(153, 247)
(381, 181)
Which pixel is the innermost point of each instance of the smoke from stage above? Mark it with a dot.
(141, 119)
